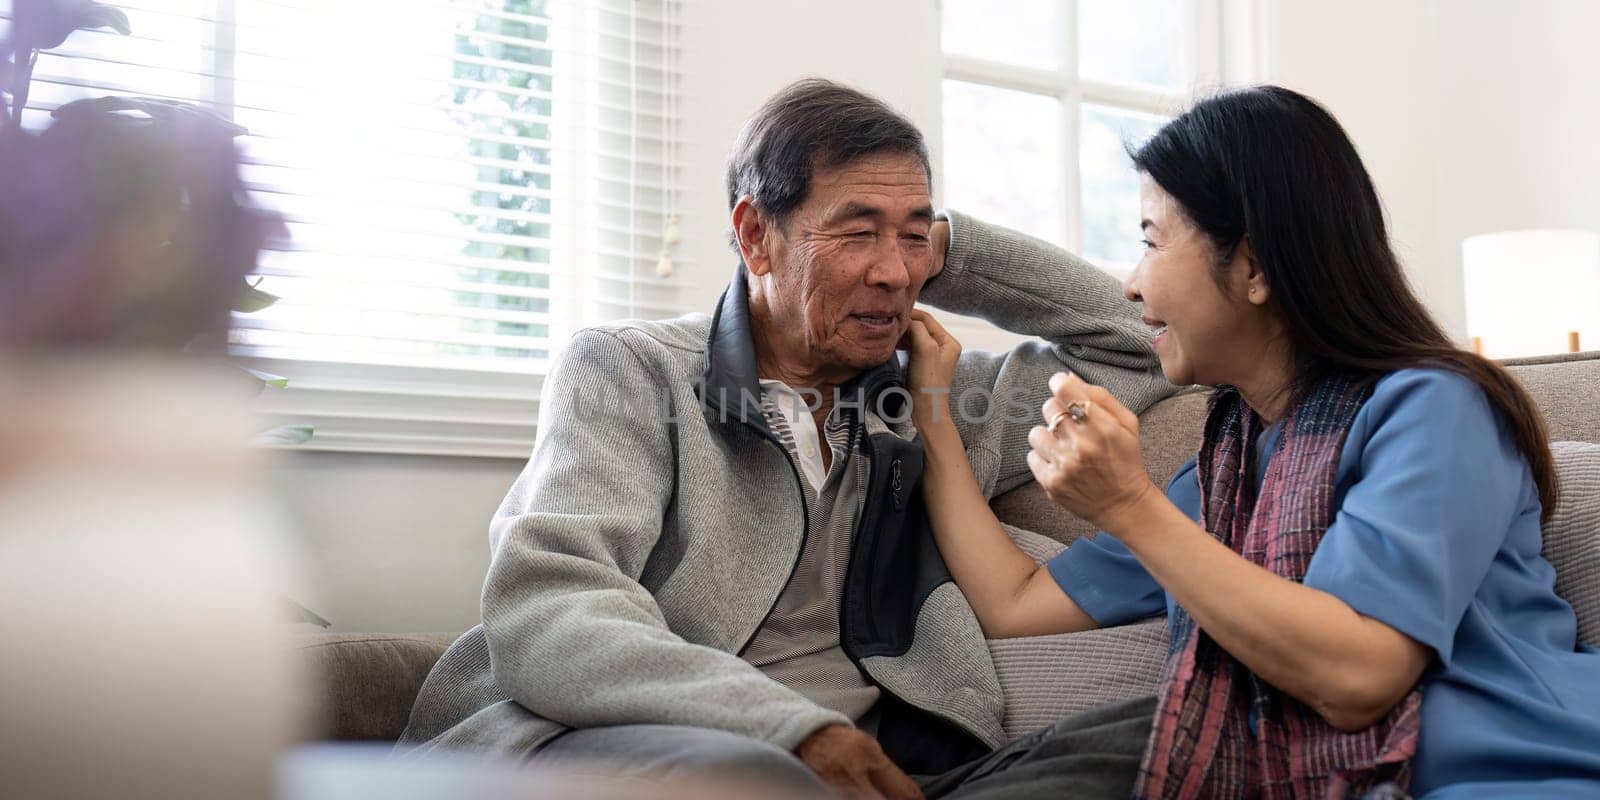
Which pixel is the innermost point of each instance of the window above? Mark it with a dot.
(465, 183)
(1040, 100)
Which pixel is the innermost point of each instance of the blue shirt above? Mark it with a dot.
(1436, 535)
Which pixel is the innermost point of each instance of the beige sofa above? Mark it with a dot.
(366, 682)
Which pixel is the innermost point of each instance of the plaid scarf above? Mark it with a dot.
(1201, 744)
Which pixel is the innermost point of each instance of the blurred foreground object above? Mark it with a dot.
(1532, 292)
(142, 567)
(352, 771)
(139, 573)
(123, 223)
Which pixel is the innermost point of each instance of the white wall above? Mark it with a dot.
(1472, 115)
(1373, 64)
(393, 543)
(1519, 138)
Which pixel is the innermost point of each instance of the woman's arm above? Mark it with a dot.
(1011, 595)
(1309, 644)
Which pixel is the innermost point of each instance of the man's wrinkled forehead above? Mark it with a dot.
(888, 187)
(865, 210)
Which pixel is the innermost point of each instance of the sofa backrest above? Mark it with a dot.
(1564, 386)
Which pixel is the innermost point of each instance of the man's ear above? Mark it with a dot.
(750, 228)
(1257, 291)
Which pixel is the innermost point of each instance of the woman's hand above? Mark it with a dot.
(1093, 466)
(934, 353)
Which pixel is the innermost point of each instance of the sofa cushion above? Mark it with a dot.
(1047, 678)
(1572, 536)
(365, 682)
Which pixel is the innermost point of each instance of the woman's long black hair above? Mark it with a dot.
(1271, 164)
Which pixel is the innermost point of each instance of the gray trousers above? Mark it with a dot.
(670, 752)
(1095, 754)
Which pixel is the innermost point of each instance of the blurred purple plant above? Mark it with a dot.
(124, 224)
(41, 25)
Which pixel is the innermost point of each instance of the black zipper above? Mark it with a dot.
(870, 616)
(868, 510)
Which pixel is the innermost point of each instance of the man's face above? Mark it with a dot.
(846, 267)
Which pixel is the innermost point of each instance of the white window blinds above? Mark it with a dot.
(465, 183)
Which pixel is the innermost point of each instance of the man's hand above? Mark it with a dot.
(941, 245)
(851, 763)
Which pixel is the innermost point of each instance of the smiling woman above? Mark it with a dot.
(1200, 331)
(1351, 567)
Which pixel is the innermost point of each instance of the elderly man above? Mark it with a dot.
(739, 574)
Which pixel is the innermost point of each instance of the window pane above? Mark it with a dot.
(1132, 42)
(419, 218)
(1110, 185)
(1024, 33)
(460, 192)
(1002, 157)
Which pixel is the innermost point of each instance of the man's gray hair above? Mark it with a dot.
(813, 123)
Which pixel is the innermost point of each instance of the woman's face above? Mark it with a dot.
(1201, 331)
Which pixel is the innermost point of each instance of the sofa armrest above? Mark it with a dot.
(364, 684)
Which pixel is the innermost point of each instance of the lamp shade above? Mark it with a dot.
(1527, 291)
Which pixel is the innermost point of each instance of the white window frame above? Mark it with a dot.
(1203, 31)
(440, 411)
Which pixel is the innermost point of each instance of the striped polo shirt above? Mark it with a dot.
(798, 644)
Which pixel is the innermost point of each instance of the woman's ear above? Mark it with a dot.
(1257, 291)
(749, 233)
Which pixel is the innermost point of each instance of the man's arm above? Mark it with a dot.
(1027, 286)
(572, 634)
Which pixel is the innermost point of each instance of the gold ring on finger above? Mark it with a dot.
(1056, 421)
